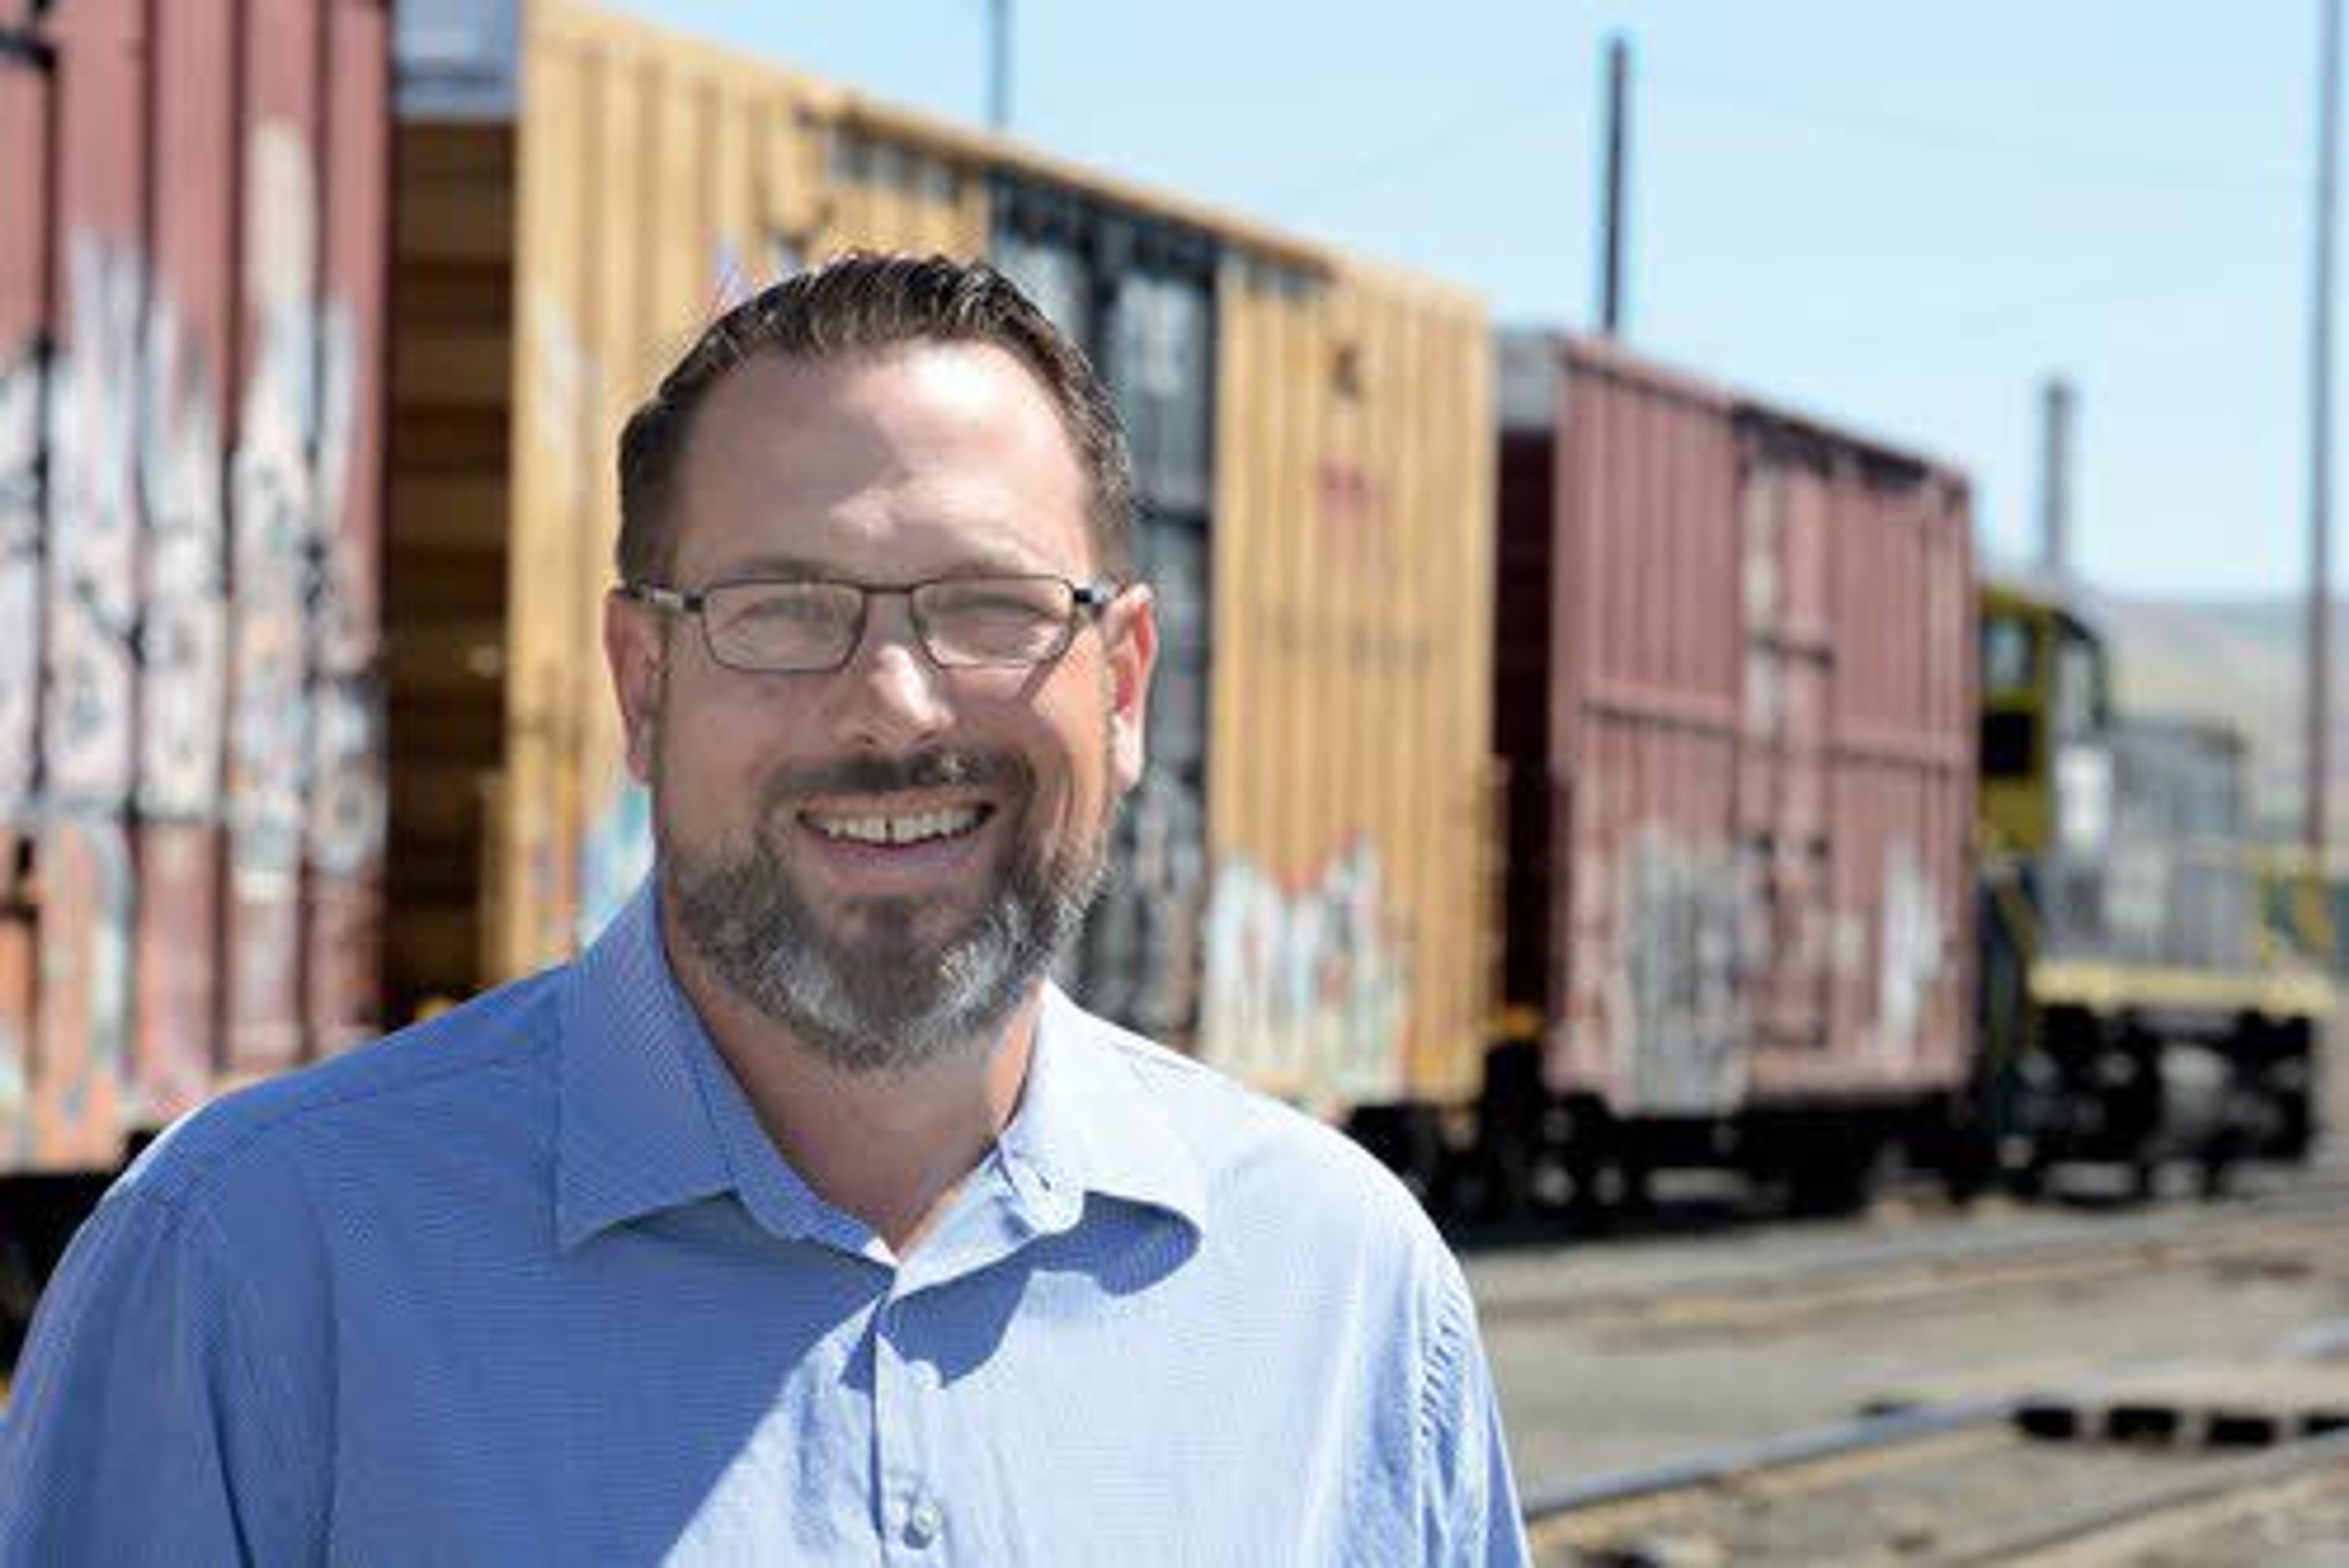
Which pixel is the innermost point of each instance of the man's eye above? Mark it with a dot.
(999, 604)
(788, 610)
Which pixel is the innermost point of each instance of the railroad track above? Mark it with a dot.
(2166, 1465)
(1937, 1266)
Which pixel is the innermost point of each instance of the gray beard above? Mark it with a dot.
(870, 998)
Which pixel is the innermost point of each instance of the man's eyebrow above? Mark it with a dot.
(774, 565)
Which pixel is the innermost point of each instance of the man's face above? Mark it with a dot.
(881, 857)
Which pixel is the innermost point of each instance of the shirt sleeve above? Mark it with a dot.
(1469, 1510)
(140, 1430)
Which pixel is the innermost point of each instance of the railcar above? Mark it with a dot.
(1525, 681)
(309, 390)
(1735, 696)
(2138, 1005)
(1303, 878)
(193, 206)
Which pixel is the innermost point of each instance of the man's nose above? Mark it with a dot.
(890, 694)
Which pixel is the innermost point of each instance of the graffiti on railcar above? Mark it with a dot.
(20, 582)
(184, 641)
(120, 508)
(88, 711)
(89, 699)
(1678, 1021)
(614, 857)
(563, 377)
(1140, 958)
(88, 902)
(1308, 988)
(182, 653)
(1913, 955)
(276, 538)
(348, 801)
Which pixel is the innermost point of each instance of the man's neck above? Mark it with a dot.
(892, 1148)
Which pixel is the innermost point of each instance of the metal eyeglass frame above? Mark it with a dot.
(1085, 599)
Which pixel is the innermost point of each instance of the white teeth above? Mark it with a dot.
(898, 829)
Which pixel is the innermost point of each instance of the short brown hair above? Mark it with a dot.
(858, 303)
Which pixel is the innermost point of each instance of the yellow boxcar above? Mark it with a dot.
(1307, 877)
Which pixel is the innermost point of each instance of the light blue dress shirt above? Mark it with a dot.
(528, 1284)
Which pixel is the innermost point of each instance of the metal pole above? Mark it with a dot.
(2055, 478)
(2319, 415)
(1611, 220)
(998, 66)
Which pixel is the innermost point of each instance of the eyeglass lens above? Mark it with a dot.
(961, 622)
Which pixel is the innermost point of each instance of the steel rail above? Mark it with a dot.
(1945, 1256)
(1739, 1462)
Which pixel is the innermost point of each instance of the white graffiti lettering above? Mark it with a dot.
(1306, 992)
(20, 582)
(1675, 996)
(614, 858)
(1140, 959)
(86, 716)
(349, 808)
(1911, 955)
(183, 647)
(274, 520)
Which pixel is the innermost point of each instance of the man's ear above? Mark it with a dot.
(1130, 642)
(636, 647)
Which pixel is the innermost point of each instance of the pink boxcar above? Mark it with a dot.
(1735, 685)
(192, 242)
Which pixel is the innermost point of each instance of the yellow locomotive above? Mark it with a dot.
(2137, 1005)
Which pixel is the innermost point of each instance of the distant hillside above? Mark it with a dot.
(2238, 661)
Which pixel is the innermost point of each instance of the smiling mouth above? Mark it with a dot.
(890, 831)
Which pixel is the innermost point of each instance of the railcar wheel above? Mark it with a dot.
(20, 1288)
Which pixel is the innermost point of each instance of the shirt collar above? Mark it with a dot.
(650, 1118)
(636, 1136)
(1088, 1123)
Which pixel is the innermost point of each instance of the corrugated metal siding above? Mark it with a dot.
(184, 687)
(191, 451)
(1351, 817)
(1760, 752)
(101, 274)
(1321, 525)
(1137, 293)
(656, 180)
(346, 813)
(1643, 732)
(26, 192)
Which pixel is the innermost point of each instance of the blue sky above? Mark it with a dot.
(1896, 217)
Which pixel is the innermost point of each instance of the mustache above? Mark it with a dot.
(873, 774)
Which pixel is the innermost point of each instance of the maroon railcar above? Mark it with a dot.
(1734, 691)
(193, 246)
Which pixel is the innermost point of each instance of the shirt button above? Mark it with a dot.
(922, 1522)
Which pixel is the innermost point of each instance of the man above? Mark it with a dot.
(801, 1220)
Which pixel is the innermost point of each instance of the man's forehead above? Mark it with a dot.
(962, 430)
(976, 378)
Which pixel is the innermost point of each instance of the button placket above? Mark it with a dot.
(924, 1521)
(914, 1519)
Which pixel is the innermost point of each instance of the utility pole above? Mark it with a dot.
(998, 66)
(2055, 478)
(2320, 449)
(1612, 220)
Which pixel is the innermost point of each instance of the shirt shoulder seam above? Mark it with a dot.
(215, 1165)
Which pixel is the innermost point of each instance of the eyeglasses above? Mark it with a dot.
(800, 627)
